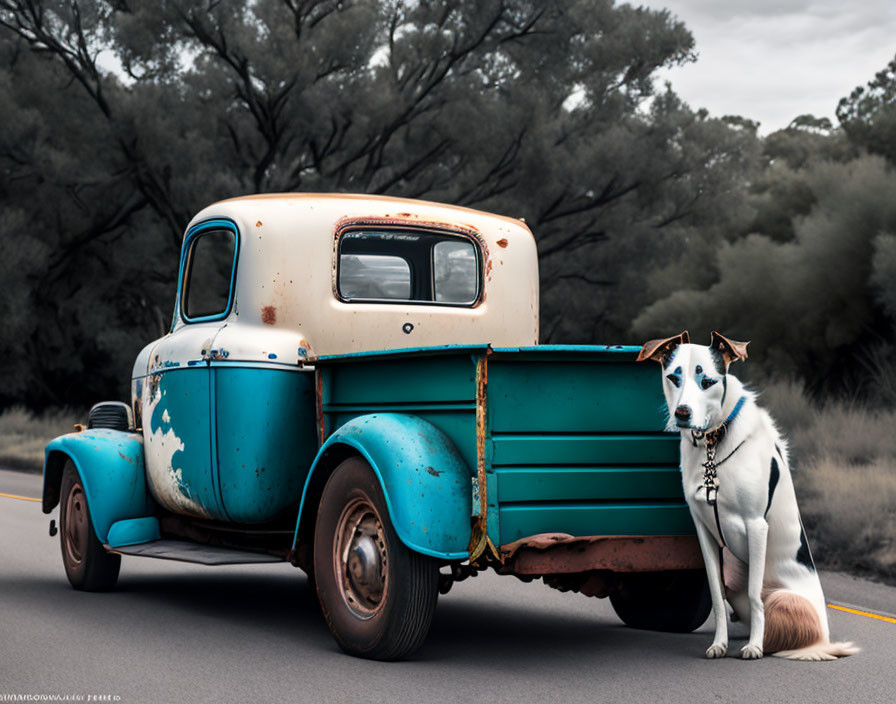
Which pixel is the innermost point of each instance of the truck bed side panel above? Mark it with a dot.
(440, 389)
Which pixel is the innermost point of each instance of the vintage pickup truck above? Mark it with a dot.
(353, 385)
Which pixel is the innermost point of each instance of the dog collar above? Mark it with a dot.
(737, 408)
(713, 436)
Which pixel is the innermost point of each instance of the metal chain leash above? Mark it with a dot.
(710, 476)
(710, 467)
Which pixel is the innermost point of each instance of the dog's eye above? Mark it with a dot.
(674, 378)
(707, 382)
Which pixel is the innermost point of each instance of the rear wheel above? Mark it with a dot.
(87, 564)
(675, 601)
(377, 595)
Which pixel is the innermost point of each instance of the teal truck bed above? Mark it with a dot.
(558, 439)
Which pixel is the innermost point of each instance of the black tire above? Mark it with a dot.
(675, 601)
(377, 596)
(87, 564)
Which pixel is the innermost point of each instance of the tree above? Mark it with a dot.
(868, 114)
(780, 190)
(810, 305)
(539, 110)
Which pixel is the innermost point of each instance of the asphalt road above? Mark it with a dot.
(173, 632)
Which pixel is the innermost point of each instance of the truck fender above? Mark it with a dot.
(110, 464)
(427, 485)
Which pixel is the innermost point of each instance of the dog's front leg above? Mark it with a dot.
(757, 539)
(710, 550)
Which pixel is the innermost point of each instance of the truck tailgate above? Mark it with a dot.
(575, 444)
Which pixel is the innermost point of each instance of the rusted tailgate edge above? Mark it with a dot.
(559, 553)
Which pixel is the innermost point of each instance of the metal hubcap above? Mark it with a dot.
(360, 558)
(74, 532)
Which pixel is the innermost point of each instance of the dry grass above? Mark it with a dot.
(843, 459)
(850, 514)
(24, 435)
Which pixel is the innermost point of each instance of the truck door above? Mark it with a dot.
(178, 412)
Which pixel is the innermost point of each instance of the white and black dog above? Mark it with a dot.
(738, 487)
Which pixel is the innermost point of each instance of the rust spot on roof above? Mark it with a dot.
(502, 242)
(376, 201)
(269, 315)
(258, 224)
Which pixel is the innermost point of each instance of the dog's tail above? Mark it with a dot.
(793, 630)
(820, 651)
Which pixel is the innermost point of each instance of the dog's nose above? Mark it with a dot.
(683, 413)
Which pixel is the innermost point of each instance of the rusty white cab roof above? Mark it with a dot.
(286, 303)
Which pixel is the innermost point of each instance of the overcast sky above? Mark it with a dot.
(771, 60)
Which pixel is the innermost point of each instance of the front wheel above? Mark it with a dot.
(377, 595)
(87, 564)
(674, 601)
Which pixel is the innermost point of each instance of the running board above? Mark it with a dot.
(184, 551)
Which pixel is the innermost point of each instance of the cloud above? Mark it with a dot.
(771, 60)
(725, 10)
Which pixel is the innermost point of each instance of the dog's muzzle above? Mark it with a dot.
(682, 414)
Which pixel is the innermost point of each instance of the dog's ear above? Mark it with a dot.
(731, 350)
(660, 350)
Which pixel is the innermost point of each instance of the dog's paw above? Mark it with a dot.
(717, 650)
(751, 652)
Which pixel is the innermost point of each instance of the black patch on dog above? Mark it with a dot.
(803, 555)
(718, 360)
(774, 475)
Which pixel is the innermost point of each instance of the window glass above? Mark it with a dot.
(375, 276)
(454, 271)
(408, 265)
(210, 266)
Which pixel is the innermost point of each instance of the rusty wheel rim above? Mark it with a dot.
(360, 558)
(74, 534)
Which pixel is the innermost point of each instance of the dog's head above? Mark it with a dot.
(694, 377)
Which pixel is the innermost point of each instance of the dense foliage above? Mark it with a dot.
(122, 119)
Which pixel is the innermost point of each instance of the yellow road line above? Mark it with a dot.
(862, 613)
(21, 498)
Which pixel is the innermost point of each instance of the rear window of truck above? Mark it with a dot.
(408, 266)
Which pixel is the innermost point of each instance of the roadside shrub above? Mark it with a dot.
(850, 513)
(23, 435)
